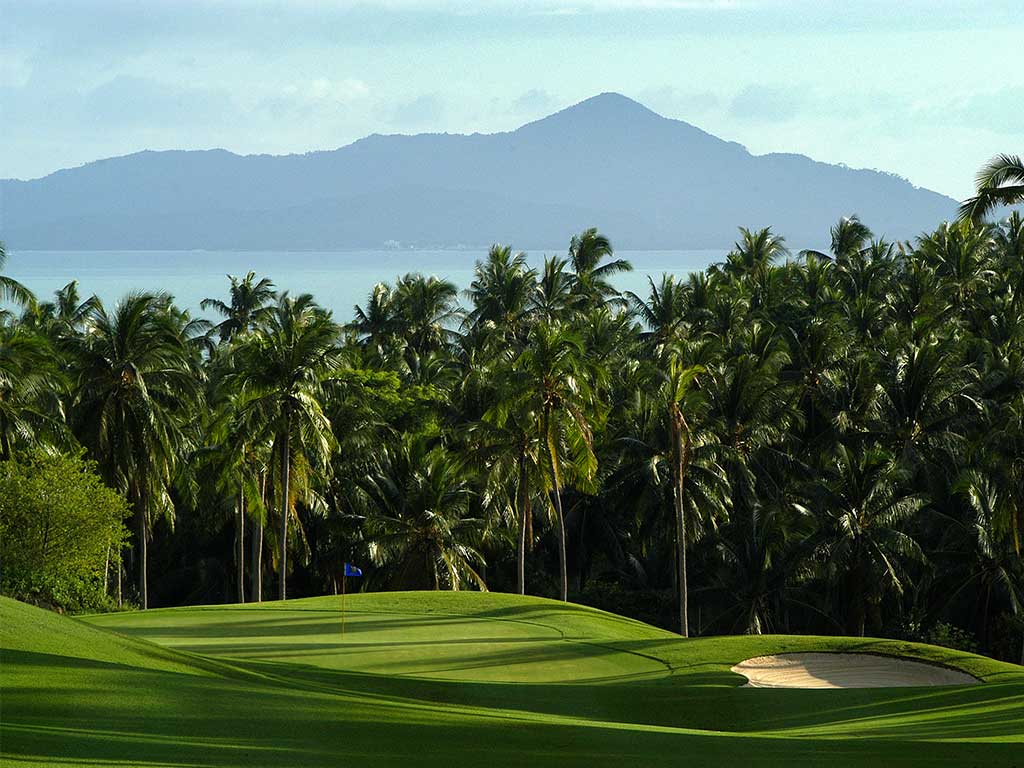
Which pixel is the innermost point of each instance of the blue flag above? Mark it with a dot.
(351, 570)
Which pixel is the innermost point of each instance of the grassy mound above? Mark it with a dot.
(432, 678)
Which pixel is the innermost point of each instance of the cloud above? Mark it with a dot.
(423, 110)
(672, 102)
(131, 100)
(317, 99)
(339, 91)
(996, 112)
(661, 5)
(1000, 111)
(763, 103)
(534, 101)
(124, 103)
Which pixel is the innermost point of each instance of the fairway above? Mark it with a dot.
(462, 678)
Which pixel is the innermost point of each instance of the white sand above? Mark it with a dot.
(844, 670)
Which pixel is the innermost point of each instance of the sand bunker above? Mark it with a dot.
(844, 670)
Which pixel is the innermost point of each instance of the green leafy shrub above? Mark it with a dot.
(950, 636)
(60, 529)
(940, 633)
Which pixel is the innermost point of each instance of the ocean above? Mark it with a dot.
(337, 279)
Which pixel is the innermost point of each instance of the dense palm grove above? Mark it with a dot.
(807, 442)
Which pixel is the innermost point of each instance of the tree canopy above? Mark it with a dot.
(784, 442)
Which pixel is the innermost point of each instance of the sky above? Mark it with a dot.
(928, 90)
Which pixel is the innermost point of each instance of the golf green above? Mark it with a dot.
(462, 678)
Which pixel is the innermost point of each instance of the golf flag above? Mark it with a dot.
(350, 570)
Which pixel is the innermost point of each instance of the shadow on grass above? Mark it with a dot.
(61, 711)
(356, 623)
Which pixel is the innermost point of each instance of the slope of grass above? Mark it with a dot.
(423, 679)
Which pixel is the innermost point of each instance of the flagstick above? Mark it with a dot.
(343, 578)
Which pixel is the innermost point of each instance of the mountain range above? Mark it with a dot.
(647, 181)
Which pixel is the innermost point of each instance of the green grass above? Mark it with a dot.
(461, 678)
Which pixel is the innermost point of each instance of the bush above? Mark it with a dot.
(1007, 640)
(940, 633)
(59, 524)
(654, 607)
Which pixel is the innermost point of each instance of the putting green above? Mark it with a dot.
(461, 678)
(538, 642)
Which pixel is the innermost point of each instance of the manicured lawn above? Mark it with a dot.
(461, 678)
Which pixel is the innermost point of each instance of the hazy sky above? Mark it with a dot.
(928, 90)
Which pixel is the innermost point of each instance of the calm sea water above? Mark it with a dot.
(337, 279)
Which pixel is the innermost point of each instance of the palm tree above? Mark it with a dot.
(992, 563)
(248, 305)
(137, 392)
(865, 269)
(427, 308)
(31, 385)
(999, 182)
(918, 300)
(754, 253)
(1009, 258)
(763, 556)
(679, 392)
(10, 289)
(65, 316)
(281, 370)
(501, 292)
(550, 383)
(239, 460)
(849, 236)
(754, 409)
(377, 325)
(509, 444)
(554, 291)
(865, 507)
(924, 398)
(962, 255)
(1010, 239)
(664, 313)
(686, 450)
(417, 523)
(590, 284)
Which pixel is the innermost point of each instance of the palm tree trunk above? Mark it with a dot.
(521, 495)
(143, 559)
(120, 567)
(859, 598)
(285, 470)
(1022, 648)
(256, 553)
(682, 434)
(984, 617)
(580, 565)
(562, 566)
(684, 592)
(106, 574)
(241, 546)
(256, 565)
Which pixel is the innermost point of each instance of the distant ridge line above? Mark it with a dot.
(648, 181)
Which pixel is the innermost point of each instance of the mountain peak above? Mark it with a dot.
(611, 102)
(602, 108)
